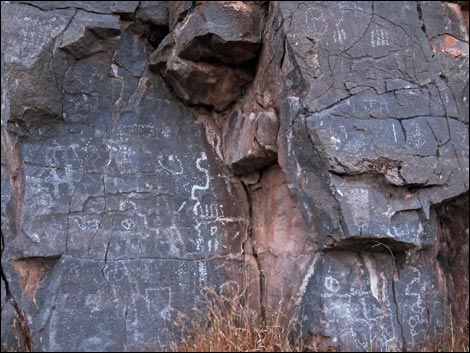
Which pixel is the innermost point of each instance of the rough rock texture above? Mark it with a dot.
(374, 134)
(205, 58)
(110, 182)
(311, 154)
(250, 141)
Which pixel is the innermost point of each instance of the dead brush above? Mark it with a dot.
(228, 325)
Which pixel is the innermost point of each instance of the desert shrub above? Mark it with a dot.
(228, 325)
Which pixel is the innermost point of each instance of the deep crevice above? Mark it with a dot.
(420, 16)
(252, 242)
(154, 33)
(372, 244)
(397, 310)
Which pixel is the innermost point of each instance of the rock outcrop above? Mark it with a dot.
(312, 155)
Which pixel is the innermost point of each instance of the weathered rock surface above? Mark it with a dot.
(373, 135)
(108, 177)
(177, 10)
(203, 59)
(250, 142)
(155, 12)
(279, 237)
(226, 31)
(312, 154)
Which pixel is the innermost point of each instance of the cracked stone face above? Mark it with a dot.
(311, 154)
(118, 185)
(375, 135)
(402, 125)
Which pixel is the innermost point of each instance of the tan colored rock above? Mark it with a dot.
(250, 141)
(204, 84)
(280, 238)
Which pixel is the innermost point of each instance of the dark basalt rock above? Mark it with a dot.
(372, 138)
(177, 11)
(155, 12)
(313, 155)
(114, 179)
(229, 32)
(199, 57)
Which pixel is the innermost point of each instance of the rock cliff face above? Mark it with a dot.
(313, 155)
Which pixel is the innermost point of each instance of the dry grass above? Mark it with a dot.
(228, 326)
(447, 344)
(453, 339)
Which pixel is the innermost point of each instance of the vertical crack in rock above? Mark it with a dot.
(16, 179)
(21, 324)
(420, 17)
(284, 51)
(395, 271)
(445, 261)
(211, 69)
(249, 248)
